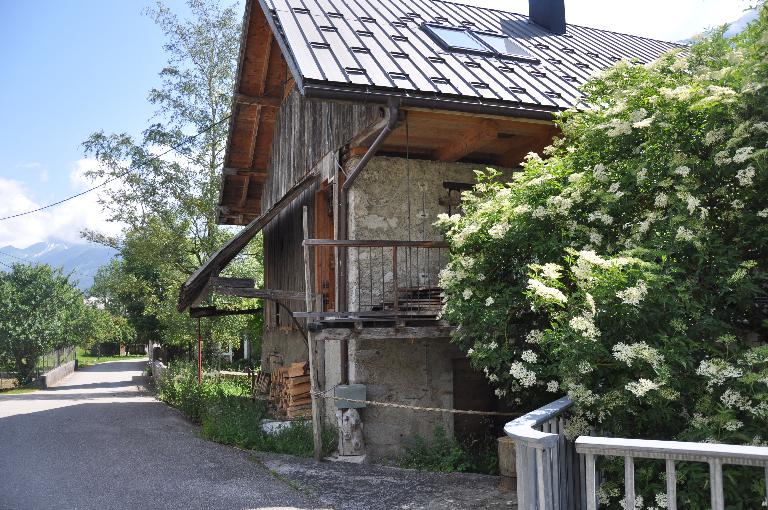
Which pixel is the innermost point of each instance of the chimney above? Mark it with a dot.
(548, 14)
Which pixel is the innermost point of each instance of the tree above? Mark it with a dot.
(629, 269)
(39, 311)
(169, 202)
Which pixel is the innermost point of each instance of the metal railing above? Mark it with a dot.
(716, 455)
(549, 472)
(379, 278)
(55, 359)
(554, 473)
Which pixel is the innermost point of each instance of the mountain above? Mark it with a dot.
(83, 260)
(740, 24)
(735, 27)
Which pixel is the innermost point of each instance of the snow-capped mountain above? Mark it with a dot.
(82, 260)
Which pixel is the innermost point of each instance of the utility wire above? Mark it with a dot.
(172, 148)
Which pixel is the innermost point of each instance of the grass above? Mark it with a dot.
(228, 416)
(84, 359)
(18, 391)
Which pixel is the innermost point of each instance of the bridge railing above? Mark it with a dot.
(716, 455)
(554, 473)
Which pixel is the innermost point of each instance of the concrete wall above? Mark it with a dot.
(410, 366)
(53, 377)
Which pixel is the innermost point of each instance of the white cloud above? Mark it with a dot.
(661, 19)
(64, 221)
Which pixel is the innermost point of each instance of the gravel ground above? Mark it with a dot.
(100, 440)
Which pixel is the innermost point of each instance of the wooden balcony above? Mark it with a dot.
(375, 282)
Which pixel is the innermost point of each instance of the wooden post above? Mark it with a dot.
(199, 354)
(317, 438)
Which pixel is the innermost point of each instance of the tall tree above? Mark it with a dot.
(171, 175)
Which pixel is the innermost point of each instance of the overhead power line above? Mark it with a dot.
(172, 148)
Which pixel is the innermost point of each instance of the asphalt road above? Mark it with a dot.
(98, 441)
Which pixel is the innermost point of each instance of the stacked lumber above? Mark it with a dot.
(289, 391)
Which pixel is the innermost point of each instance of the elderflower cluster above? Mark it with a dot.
(525, 377)
(604, 217)
(534, 336)
(618, 127)
(633, 295)
(585, 326)
(743, 154)
(717, 371)
(499, 230)
(629, 353)
(642, 386)
(745, 176)
(529, 356)
(545, 292)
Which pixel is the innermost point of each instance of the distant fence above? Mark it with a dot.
(55, 359)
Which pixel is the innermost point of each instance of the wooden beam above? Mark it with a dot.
(266, 101)
(272, 295)
(469, 141)
(212, 311)
(218, 281)
(197, 283)
(244, 191)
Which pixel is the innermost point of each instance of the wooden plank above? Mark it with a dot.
(299, 389)
(468, 142)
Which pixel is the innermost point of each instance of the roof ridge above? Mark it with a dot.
(455, 2)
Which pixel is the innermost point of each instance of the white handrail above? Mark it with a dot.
(716, 455)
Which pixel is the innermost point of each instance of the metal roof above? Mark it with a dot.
(370, 47)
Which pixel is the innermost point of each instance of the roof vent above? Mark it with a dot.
(548, 14)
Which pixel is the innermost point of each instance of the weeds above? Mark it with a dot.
(446, 454)
(228, 415)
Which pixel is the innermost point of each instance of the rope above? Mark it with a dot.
(322, 394)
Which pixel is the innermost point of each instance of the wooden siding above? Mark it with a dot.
(306, 130)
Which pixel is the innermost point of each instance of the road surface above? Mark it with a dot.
(98, 441)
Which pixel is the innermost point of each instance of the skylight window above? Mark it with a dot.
(458, 39)
(503, 45)
(466, 40)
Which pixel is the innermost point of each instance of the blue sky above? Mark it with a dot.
(73, 67)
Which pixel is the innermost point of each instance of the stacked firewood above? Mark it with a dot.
(289, 391)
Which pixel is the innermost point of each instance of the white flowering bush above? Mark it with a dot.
(629, 269)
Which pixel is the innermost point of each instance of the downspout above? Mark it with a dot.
(392, 113)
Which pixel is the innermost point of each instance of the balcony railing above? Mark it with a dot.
(377, 279)
(554, 473)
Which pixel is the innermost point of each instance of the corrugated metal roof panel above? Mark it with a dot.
(370, 45)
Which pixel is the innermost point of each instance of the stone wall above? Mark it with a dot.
(410, 366)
